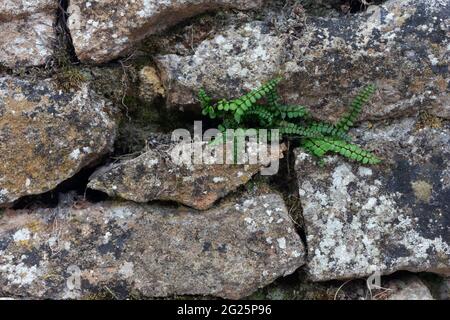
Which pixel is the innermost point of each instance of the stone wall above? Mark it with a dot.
(90, 198)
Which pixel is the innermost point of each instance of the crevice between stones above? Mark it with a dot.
(285, 182)
(68, 192)
(340, 7)
(63, 36)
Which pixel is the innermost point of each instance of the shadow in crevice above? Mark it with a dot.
(63, 36)
(67, 192)
(340, 7)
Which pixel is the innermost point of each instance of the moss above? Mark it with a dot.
(427, 120)
(101, 295)
(67, 74)
(137, 124)
(70, 78)
(422, 190)
(34, 226)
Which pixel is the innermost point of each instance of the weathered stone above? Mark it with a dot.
(394, 216)
(408, 288)
(20, 8)
(401, 46)
(150, 86)
(231, 63)
(46, 135)
(27, 32)
(147, 250)
(158, 174)
(105, 30)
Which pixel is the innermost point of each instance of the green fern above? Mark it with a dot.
(316, 137)
(349, 118)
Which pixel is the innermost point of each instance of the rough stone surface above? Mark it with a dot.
(227, 65)
(105, 30)
(394, 216)
(147, 250)
(401, 46)
(157, 175)
(46, 135)
(409, 288)
(150, 87)
(27, 32)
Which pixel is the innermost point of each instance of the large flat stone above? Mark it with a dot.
(157, 175)
(394, 216)
(147, 250)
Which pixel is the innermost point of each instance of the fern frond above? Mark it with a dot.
(349, 118)
(327, 129)
(265, 117)
(291, 112)
(227, 123)
(351, 151)
(209, 111)
(242, 104)
(317, 137)
(273, 99)
(205, 100)
(289, 128)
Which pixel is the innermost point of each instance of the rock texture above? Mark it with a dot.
(147, 250)
(46, 135)
(401, 46)
(156, 175)
(395, 216)
(150, 87)
(102, 31)
(27, 32)
(408, 288)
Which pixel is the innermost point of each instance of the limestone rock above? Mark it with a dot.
(158, 175)
(47, 135)
(27, 32)
(401, 46)
(102, 31)
(394, 216)
(409, 288)
(147, 250)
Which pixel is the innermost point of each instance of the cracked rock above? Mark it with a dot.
(147, 250)
(395, 216)
(46, 135)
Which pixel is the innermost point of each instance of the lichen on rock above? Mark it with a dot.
(401, 46)
(103, 31)
(161, 174)
(27, 32)
(47, 136)
(148, 250)
(361, 220)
